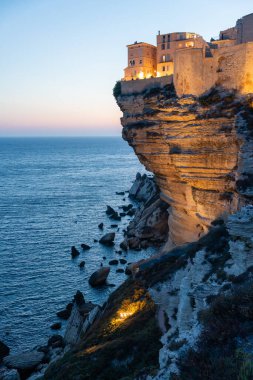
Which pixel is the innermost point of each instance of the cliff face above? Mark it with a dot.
(199, 150)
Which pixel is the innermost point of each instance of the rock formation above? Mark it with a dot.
(199, 150)
(149, 226)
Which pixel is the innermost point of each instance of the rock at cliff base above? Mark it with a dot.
(79, 298)
(64, 314)
(115, 216)
(55, 341)
(99, 277)
(25, 361)
(101, 226)
(123, 245)
(74, 252)
(85, 247)
(56, 326)
(110, 210)
(9, 374)
(113, 262)
(4, 350)
(120, 270)
(108, 239)
(122, 261)
(82, 264)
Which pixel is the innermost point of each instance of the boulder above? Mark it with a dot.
(115, 216)
(131, 212)
(127, 208)
(122, 261)
(4, 350)
(56, 326)
(101, 226)
(113, 262)
(64, 314)
(95, 240)
(114, 225)
(120, 193)
(108, 239)
(123, 245)
(99, 277)
(55, 341)
(85, 247)
(25, 361)
(74, 252)
(79, 298)
(110, 210)
(9, 374)
(128, 269)
(69, 306)
(82, 264)
(120, 270)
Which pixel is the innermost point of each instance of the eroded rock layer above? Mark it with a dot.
(200, 150)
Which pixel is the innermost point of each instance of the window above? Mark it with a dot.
(140, 61)
(163, 68)
(168, 37)
(164, 58)
(163, 46)
(163, 38)
(168, 45)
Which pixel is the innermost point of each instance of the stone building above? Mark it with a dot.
(141, 61)
(228, 62)
(168, 44)
(194, 65)
(244, 27)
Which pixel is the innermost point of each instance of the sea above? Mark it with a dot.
(53, 195)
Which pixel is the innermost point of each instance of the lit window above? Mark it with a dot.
(164, 58)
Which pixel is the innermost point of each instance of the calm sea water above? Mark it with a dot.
(53, 194)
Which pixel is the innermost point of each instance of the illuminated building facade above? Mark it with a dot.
(141, 61)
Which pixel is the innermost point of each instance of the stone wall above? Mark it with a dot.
(139, 86)
(230, 67)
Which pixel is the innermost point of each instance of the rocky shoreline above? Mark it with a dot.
(148, 227)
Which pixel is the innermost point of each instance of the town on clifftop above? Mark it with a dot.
(191, 63)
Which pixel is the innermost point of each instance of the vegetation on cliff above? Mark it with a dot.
(122, 344)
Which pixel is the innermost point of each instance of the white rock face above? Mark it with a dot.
(80, 320)
(182, 296)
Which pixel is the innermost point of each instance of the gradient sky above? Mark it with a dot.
(61, 58)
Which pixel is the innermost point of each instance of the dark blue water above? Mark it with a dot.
(53, 194)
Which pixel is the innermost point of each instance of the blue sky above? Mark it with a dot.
(61, 58)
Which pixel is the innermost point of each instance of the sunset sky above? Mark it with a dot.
(61, 58)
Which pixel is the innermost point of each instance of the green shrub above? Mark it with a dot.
(117, 89)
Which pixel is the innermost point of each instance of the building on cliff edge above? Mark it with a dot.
(191, 63)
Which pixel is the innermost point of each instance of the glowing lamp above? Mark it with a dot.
(141, 75)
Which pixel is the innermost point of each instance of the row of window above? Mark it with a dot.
(180, 36)
(187, 44)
